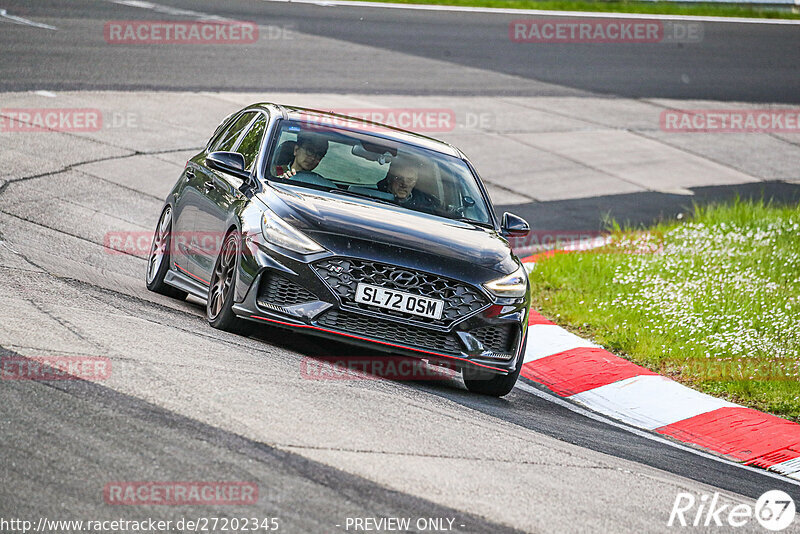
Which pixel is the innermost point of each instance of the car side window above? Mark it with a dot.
(251, 142)
(220, 130)
(227, 141)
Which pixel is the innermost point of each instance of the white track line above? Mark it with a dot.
(168, 10)
(644, 434)
(540, 12)
(20, 20)
(790, 468)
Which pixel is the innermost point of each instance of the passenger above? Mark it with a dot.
(400, 181)
(309, 149)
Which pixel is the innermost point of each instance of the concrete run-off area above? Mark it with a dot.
(526, 149)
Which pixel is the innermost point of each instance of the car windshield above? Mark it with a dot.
(382, 170)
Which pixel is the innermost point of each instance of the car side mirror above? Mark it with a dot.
(514, 225)
(229, 162)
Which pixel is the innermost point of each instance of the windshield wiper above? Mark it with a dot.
(473, 221)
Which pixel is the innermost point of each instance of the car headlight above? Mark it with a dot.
(280, 233)
(511, 285)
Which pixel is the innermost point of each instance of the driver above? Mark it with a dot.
(400, 181)
(308, 151)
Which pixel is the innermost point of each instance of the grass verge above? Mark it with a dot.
(712, 301)
(622, 6)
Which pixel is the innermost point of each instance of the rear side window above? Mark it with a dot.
(228, 140)
(251, 142)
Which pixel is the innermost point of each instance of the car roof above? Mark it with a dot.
(363, 126)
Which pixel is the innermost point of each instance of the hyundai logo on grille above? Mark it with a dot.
(404, 278)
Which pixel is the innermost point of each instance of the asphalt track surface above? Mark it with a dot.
(62, 442)
(349, 49)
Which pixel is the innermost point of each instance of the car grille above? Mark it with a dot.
(496, 338)
(344, 274)
(390, 331)
(277, 290)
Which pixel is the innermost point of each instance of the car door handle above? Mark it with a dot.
(209, 185)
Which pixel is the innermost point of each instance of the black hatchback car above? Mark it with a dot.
(345, 228)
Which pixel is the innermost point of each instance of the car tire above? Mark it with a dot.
(219, 304)
(158, 261)
(485, 383)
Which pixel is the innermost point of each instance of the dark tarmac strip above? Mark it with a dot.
(62, 440)
(338, 49)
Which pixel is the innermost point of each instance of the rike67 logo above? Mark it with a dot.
(774, 510)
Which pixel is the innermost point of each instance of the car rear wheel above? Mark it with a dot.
(219, 305)
(159, 259)
(484, 383)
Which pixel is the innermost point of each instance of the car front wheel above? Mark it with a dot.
(219, 305)
(484, 383)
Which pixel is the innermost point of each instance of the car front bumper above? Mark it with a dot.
(293, 291)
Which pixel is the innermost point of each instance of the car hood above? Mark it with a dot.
(347, 225)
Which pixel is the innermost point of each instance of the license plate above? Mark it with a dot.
(391, 299)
